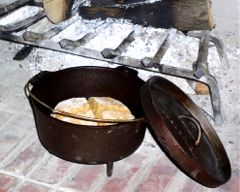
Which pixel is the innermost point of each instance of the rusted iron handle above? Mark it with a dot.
(29, 94)
(197, 124)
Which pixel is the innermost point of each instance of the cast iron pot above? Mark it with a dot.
(176, 123)
(81, 143)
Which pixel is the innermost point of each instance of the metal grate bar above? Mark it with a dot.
(70, 44)
(150, 62)
(35, 37)
(11, 5)
(111, 53)
(22, 24)
(76, 47)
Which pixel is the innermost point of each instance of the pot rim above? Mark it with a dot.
(29, 94)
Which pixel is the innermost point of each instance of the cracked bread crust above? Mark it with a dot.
(94, 107)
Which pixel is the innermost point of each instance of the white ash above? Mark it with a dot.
(78, 3)
(233, 51)
(86, 3)
(110, 37)
(77, 30)
(6, 2)
(72, 32)
(44, 25)
(20, 15)
(43, 60)
(182, 52)
(41, 26)
(214, 64)
(147, 41)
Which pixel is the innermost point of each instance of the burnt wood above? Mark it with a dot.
(106, 3)
(185, 15)
(23, 53)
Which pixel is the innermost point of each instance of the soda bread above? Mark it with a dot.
(77, 106)
(109, 108)
(97, 107)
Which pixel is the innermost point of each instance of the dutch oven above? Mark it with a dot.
(175, 121)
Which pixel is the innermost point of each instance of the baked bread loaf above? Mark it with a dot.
(94, 107)
(76, 106)
(109, 108)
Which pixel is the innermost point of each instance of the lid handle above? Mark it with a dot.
(197, 124)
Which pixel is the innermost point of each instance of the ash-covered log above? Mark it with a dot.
(184, 15)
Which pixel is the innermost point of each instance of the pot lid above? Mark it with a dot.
(184, 133)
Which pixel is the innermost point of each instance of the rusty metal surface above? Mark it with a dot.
(87, 144)
(184, 134)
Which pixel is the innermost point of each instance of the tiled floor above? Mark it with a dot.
(26, 166)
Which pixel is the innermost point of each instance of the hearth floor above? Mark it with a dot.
(26, 166)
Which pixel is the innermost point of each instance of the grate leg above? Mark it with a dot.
(199, 73)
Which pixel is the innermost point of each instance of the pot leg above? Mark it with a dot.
(109, 169)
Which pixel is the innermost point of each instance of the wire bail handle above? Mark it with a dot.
(29, 94)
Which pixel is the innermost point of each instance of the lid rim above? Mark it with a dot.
(171, 146)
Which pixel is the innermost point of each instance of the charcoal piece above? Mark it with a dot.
(103, 3)
(23, 53)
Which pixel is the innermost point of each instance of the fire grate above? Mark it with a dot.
(20, 32)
